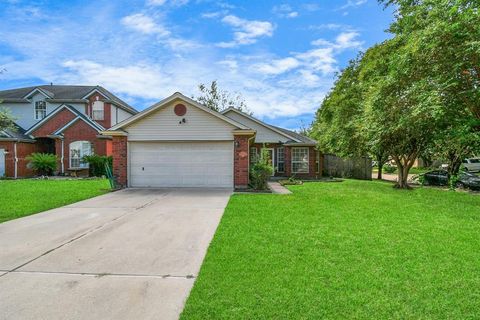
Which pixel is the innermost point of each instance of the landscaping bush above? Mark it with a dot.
(388, 168)
(260, 172)
(42, 163)
(96, 164)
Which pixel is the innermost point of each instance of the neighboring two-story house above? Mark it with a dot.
(61, 119)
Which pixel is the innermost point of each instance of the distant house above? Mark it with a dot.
(62, 119)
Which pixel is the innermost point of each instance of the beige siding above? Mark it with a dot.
(264, 135)
(163, 125)
(118, 115)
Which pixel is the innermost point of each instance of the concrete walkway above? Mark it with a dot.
(132, 254)
(278, 188)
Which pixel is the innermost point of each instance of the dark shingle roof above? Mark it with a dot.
(17, 133)
(66, 93)
(295, 135)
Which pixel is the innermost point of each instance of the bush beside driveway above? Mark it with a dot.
(21, 198)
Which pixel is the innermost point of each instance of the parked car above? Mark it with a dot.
(440, 178)
(472, 165)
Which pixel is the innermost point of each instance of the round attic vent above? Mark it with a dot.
(180, 110)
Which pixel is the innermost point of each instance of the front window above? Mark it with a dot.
(300, 160)
(40, 110)
(78, 150)
(281, 159)
(98, 110)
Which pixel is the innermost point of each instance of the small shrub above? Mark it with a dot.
(388, 168)
(42, 163)
(96, 164)
(260, 172)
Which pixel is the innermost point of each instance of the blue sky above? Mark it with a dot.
(282, 56)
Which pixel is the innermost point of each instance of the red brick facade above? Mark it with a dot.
(312, 164)
(241, 161)
(107, 110)
(60, 119)
(119, 149)
(23, 150)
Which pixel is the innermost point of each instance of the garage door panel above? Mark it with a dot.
(181, 164)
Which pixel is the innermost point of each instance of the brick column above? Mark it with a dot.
(119, 149)
(241, 161)
(288, 161)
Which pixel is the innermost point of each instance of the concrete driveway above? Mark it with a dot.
(132, 254)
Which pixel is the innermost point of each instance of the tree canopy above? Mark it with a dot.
(417, 91)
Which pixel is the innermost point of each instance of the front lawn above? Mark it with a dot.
(19, 198)
(355, 249)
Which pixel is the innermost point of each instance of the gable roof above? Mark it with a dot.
(293, 136)
(18, 133)
(64, 93)
(78, 116)
(165, 102)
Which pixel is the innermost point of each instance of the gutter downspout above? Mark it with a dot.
(15, 159)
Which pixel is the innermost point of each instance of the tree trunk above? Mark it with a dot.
(404, 164)
(380, 169)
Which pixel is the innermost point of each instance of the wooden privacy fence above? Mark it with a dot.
(357, 168)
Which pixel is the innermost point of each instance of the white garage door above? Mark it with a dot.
(181, 164)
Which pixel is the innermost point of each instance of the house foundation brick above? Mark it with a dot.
(119, 149)
(241, 161)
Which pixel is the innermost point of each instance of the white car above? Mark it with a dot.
(472, 165)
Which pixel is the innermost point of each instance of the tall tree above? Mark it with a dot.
(7, 121)
(447, 34)
(217, 99)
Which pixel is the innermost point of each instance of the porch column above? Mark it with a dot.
(288, 161)
(241, 159)
(120, 154)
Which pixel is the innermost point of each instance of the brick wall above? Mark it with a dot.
(312, 169)
(119, 148)
(79, 131)
(241, 161)
(56, 122)
(107, 111)
(23, 150)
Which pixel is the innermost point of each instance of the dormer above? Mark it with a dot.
(98, 107)
(38, 98)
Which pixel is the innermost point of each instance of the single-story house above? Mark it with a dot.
(181, 143)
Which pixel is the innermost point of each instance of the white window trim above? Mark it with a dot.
(35, 110)
(278, 159)
(102, 111)
(308, 160)
(85, 166)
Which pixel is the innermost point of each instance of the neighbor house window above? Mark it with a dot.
(281, 159)
(78, 150)
(253, 155)
(300, 160)
(40, 110)
(98, 110)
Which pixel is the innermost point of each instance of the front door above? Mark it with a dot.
(2, 162)
(271, 158)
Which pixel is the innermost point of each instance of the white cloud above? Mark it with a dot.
(277, 66)
(246, 31)
(345, 40)
(285, 11)
(175, 3)
(144, 24)
(352, 4)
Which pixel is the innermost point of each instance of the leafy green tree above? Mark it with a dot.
(217, 99)
(7, 121)
(446, 35)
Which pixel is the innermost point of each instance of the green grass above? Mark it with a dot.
(349, 250)
(19, 198)
(412, 170)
